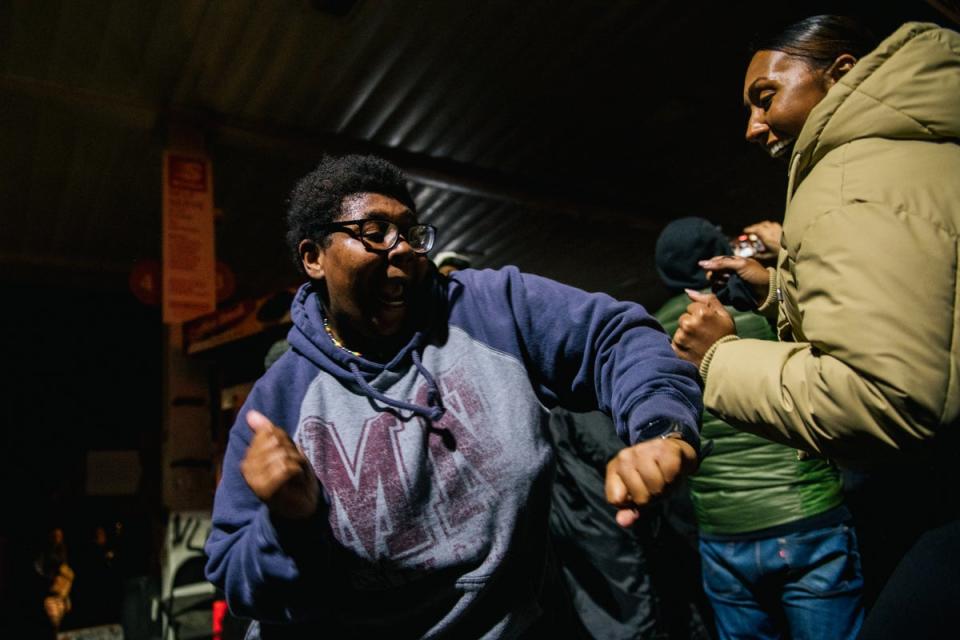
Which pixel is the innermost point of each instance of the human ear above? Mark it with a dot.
(311, 257)
(839, 68)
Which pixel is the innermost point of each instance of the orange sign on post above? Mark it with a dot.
(189, 276)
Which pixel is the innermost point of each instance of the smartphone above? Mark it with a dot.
(747, 245)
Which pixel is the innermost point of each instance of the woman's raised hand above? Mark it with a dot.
(277, 471)
(769, 233)
(750, 271)
(705, 322)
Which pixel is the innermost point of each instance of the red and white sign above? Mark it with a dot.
(189, 277)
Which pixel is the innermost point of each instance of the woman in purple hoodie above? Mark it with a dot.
(391, 472)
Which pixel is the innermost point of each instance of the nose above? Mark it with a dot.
(402, 251)
(757, 128)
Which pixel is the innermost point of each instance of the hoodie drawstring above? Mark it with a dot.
(434, 412)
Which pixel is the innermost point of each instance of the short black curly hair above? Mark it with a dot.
(317, 198)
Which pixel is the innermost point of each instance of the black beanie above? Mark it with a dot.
(682, 244)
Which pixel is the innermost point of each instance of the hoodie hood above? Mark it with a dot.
(905, 89)
(309, 337)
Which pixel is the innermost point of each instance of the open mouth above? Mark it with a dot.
(778, 149)
(393, 293)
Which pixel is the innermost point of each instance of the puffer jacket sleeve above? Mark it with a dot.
(873, 370)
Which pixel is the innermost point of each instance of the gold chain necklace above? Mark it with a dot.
(333, 338)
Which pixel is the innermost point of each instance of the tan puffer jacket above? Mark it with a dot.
(868, 279)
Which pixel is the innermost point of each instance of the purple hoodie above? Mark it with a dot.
(435, 467)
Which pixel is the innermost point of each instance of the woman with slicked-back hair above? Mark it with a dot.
(866, 291)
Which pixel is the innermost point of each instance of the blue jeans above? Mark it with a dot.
(803, 586)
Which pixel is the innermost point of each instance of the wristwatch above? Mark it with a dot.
(675, 431)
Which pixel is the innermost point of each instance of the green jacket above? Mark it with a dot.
(748, 483)
(869, 278)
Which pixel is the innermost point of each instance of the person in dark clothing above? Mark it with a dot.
(624, 583)
(23, 591)
(98, 590)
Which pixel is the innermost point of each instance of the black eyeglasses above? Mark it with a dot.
(383, 235)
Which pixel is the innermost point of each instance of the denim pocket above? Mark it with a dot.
(725, 567)
(827, 560)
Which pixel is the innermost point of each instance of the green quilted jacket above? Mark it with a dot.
(748, 483)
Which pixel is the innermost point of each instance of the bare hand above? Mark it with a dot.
(277, 472)
(769, 233)
(750, 271)
(705, 322)
(640, 474)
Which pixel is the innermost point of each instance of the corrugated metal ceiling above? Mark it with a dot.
(557, 136)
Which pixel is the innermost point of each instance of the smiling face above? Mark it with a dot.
(780, 90)
(369, 293)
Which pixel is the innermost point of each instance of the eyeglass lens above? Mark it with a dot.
(383, 235)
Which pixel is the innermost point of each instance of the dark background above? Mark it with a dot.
(557, 136)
